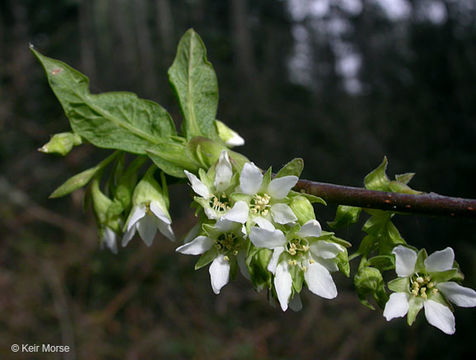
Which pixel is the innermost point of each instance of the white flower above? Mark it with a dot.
(314, 258)
(420, 286)
(146, 218)
(223, 244)
(267, 199)
(213, 197)
(109, 240)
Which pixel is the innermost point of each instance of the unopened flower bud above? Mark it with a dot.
(61, 143)
(303, 209)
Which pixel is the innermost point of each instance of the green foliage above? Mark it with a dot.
(294, 167)
(369, 282)
(116, 120)
(195, 84)
(79, 180)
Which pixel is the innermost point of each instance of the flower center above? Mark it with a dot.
(228, 242)
(421, 285)
(259, 204)
(297, 245)
(220, 204)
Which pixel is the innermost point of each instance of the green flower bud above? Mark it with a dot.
(61, 143)
(101, 206)
(148, 190)
(302, 208)
(227, 135)
(208, 151)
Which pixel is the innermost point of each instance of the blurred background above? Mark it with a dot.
(339, 83)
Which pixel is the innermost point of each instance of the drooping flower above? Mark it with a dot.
(149, 212)
(266, 198)
(214, 193)
(423, 282)
(109, 239)
(222, 246)
(299, 256)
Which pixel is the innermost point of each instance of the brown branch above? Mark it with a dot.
(430, 203)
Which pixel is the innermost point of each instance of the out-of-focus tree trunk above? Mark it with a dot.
(243, 48)
(146, 55)
(86, 32)
(165, 29)
(123, 41)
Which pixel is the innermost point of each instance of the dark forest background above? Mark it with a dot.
(339, 83)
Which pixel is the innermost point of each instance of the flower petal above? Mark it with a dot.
(282, 214)
(457, 294)
(159, 212)
(440, 260)
(250, 179)
(238, 213)
(396, 306)
(219, 273)
(109, 240)
(273, 262)
(278, 188)
(128, 236)
(138, 212)
(166, 230)
(241, 260)
(263, 223)
(147, 229)
(440, 316)
(319, 281)
(197, 186)
(405, 260)
(223, 172)
(197, 246)
(326, 249)
(283, 284)
(295, 304)
(224, 225)
(264, 238)
(310, 228)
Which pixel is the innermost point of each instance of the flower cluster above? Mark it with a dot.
(251, 221)
(424, 282)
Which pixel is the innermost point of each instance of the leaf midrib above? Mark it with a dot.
(117, 121)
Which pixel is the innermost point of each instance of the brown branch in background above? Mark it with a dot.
(430, 203)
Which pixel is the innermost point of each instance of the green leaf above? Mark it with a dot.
(345, 216)
(206, 258)
(382, 262)
(79, 180)
(294, 167)
(342, 260)
(115, 120)
(415, 303)
(312, 198)
(297, 276)
(377, 179)
(173, 158)
(404, 178)
(401, 284)
(369, 282)
(194, 81)
(420, 261)
(442, 276)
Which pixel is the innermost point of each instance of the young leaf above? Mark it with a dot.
(115, 120)
(294, 167)
(345, 215)
(195, 84)
(173, 158)
(377, 179)
(79, 180)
